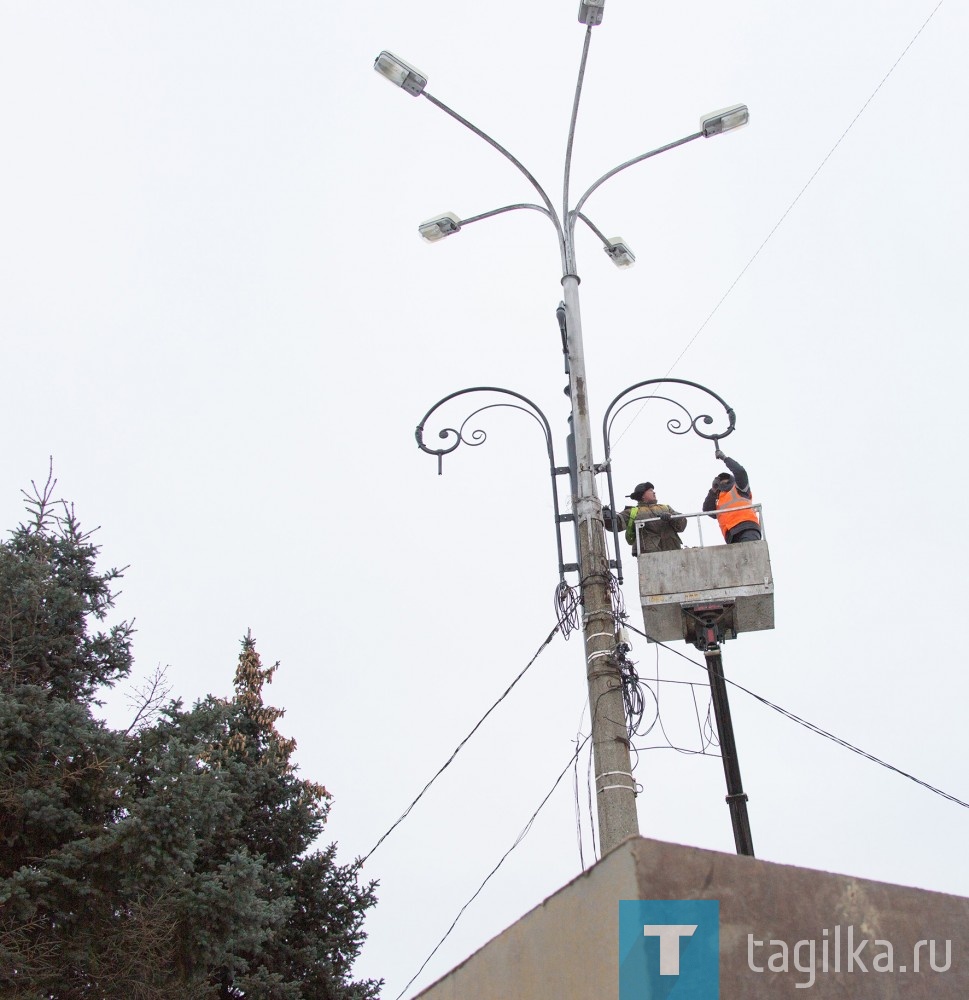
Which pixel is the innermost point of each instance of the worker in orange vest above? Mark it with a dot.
(730, 491)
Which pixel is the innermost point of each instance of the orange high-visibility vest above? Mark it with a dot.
(727, 516)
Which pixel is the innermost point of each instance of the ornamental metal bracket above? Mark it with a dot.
(675, 425)
(474, 437)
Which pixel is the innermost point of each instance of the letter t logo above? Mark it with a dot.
(669, 944)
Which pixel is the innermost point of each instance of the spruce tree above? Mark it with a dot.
(259, 913)
(60, 768)
(171, 860)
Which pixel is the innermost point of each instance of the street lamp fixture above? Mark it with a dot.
(615, 786)
(724, 120)
(619, 253)
(590, 12)
(400, 73)
(437, 228)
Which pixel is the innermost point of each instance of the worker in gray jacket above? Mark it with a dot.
(655, 535)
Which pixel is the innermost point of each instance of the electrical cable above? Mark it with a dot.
(457, 749)
(588, 779)
(848, 746)
(634, 689)
(578, 807)
(652, 725)
(708, 734)
(618, 600)
(639, 750)
(521, 836)
(706, 725)
(633, 699)
(669, 745)
(580, 740)
(637, 787)
(786, 212)
(567, 604)
(712, 737)
(704, 742)
(797, 197)
(817, 729)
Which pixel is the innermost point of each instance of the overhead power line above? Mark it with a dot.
(849, 746)
(815, 728)
(458, 748)
(487, 878)
(786, 212)
(798, 196)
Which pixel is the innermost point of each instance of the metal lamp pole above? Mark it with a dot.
(615, 786)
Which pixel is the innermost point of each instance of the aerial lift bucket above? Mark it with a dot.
(675, 586)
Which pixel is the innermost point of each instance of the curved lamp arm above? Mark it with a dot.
(504, 152)
(570, 265)
(512, 208)
(501, 211)
(475, 437)
(448, 224)
(593, 227)
(622, 166)
(675, 425)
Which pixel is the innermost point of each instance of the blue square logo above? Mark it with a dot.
(669, 949)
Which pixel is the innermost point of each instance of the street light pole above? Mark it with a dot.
(615, 786)
(614, 783)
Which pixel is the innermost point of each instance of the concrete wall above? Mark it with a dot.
(567, 948)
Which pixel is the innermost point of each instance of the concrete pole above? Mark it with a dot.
(615, 787)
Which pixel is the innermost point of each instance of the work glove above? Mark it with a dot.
(719, 454)
(666, 516)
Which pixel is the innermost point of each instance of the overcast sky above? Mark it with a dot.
(218, 318)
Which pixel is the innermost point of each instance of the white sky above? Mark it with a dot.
(218, 318)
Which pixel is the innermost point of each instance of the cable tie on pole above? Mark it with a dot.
(631, 787)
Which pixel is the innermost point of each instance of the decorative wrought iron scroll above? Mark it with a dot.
(456, 436)
(675, 425)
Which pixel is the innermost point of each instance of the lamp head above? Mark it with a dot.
(400, 73)
(590, 12)
(724, 120)
(618, 251)
(440, 226)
